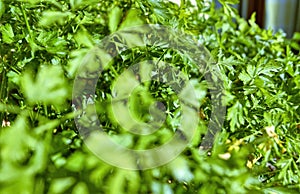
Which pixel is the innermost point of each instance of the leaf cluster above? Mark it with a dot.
(44, 42)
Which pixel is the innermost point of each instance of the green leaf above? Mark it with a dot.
(76, 60)
(7, 33)
(29, 157)
(75, 3)
(193, 93)
(132, 19)
(13, 77)
(296, 36)
(60, 185)
(80, 188)
(17, 144)
(117, 182)
(2, 8)
(158, 188)
(83, 38)
(79, 4)
(50, 18)
(180, 170)
(229, 1)
(235, 115)
(49, 87)
(75, 162)
(114, 18)
(52, 43)
(245, 77)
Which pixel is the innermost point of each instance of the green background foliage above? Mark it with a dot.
(42, 45)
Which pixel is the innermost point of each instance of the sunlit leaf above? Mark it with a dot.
(7, 33)
(48, 87)
(50, 18)
(115, 17)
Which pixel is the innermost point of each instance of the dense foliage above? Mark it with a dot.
(42, 45)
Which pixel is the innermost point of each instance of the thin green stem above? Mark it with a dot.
(45, 110)
(3, 91)
(26, 22)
